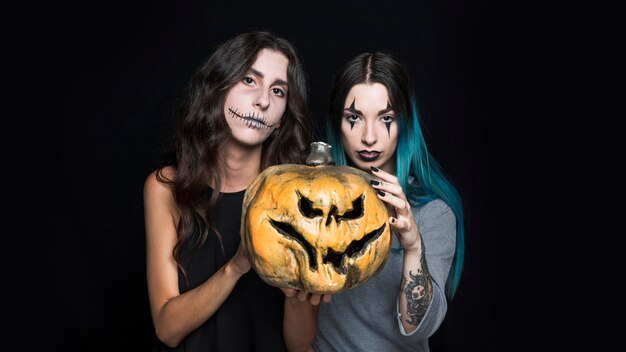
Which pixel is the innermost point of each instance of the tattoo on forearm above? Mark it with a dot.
(418, 290)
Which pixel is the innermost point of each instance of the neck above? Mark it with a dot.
(242, 164)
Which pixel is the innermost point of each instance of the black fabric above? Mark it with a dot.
(251, 317)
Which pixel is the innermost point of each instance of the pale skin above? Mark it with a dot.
(259, 101)
(370, 136)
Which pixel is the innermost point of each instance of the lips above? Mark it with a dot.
(368, 155)
(252, 120)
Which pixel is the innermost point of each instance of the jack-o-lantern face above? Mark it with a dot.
(321, 229)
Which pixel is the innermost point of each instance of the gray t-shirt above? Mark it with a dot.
(366, 318)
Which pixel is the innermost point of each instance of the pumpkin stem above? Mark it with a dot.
(320, 154)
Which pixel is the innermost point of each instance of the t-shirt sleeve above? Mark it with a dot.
(437, 226)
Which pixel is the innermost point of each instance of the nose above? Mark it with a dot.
(262, 100)
(369, 136)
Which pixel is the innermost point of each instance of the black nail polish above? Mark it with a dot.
(374, 182)
(375, 169)
(382, 194)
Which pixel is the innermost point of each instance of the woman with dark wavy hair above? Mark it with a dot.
(245, 109)
(374, 126)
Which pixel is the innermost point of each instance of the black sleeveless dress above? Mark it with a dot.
(251, 318)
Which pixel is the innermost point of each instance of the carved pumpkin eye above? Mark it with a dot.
(306, 207)
(354, 213)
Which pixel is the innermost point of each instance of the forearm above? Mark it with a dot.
(416, 290)
(299, 324)
(185, 313)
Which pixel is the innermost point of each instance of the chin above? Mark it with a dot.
(363, 165)
(251, 138)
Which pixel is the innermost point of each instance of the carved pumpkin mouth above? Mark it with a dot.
(354, 249)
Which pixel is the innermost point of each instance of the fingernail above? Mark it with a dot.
(374, 182)
(375, 169)
(381, 193)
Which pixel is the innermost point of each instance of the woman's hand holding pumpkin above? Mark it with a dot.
(240, 262)
(390, 192)
(313, 298)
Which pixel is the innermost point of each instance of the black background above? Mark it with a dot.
(122, 66)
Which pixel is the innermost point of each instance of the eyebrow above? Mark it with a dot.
(384, 111)
(358, 112)
(277, 81)
(354, 111)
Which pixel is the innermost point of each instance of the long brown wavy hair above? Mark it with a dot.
(201, 129)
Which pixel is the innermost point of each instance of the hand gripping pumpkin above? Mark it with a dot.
(320, 228)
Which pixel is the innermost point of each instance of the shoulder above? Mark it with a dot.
(435, 210)
(156, 182)
(157, 192)
(437, 225)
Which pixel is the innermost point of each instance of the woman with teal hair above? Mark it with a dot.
(374, 126)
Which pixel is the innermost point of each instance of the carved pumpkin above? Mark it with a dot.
(320, 228)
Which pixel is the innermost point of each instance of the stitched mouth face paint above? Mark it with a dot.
(252, 120)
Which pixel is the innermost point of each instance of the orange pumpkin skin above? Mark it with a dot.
(321, 229)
